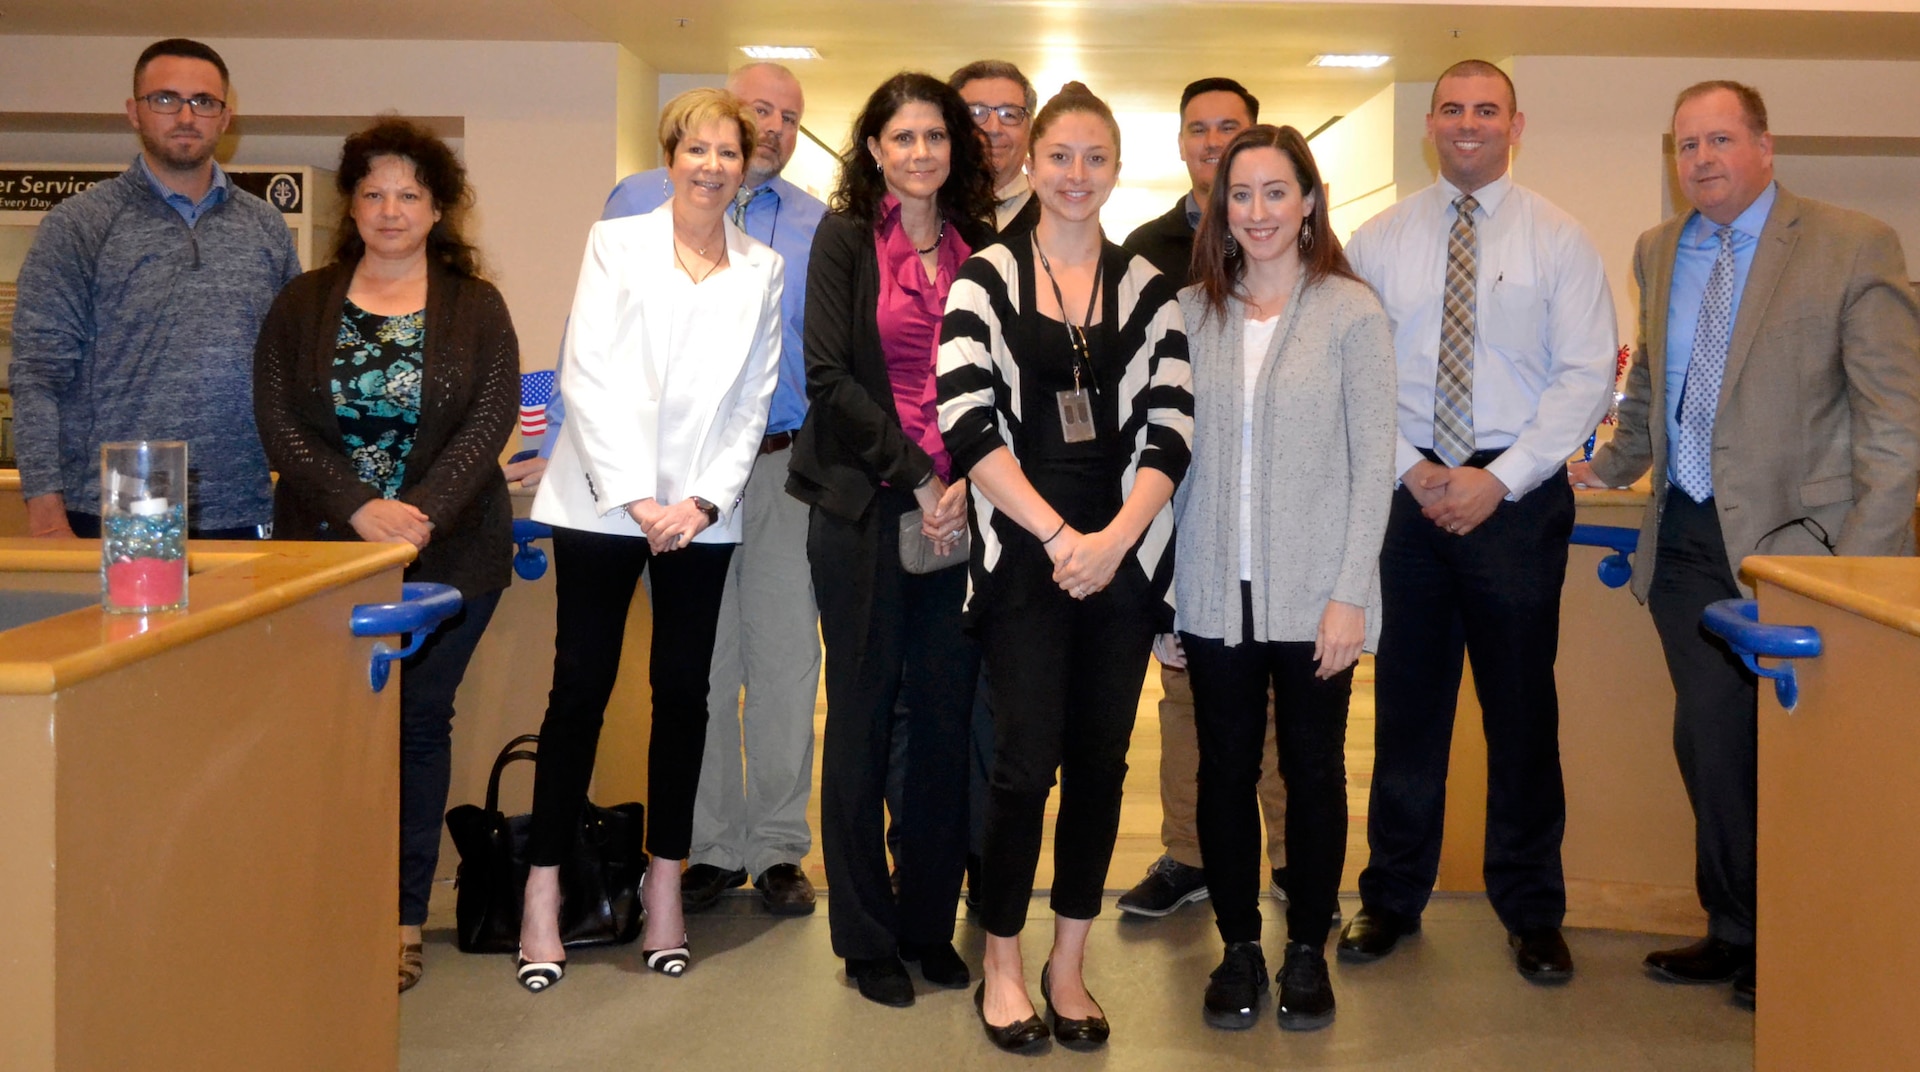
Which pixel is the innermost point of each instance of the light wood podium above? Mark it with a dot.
(1839, 850)
(198, 859)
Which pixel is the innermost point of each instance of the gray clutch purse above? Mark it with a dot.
(916, 551)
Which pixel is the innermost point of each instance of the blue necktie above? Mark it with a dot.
(1700, 397)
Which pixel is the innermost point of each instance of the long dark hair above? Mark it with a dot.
(1219, 274)
(968, 192)
(434, 166)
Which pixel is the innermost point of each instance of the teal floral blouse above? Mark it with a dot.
(377, 365)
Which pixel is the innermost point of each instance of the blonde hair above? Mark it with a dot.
(696, 108)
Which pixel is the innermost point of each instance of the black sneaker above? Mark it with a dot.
(1233, 995)
(1306, 994)
(1168, 885)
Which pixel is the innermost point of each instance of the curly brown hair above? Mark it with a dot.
(434, 165)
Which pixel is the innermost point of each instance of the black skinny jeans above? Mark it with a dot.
(594, 578)
(892, 638)
(1063, 678)
(428, 680)
(1230, 685)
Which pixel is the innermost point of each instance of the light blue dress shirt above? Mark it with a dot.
(189, 210)
(1692, 263)
(783, 216)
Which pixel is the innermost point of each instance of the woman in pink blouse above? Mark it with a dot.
(909, 209)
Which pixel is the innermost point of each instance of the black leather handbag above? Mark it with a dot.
(599, 882)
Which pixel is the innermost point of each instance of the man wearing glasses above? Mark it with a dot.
(137, 311)
(1001, 101)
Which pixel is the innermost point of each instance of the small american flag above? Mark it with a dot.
(536, 390)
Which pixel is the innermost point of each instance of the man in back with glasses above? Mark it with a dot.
(138, 307)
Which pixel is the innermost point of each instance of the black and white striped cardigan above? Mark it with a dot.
(980, 403)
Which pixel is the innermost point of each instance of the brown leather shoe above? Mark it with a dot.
(787, 890)
(1542, 955)
(1372, 934)
(1709, 960)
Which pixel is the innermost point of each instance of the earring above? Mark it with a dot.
(1233, 247)
(1306, 236)
(878, 166)
(666, 186)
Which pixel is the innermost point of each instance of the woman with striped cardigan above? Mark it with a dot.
(1064, 400)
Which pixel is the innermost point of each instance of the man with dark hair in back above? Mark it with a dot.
(1212, 111)
(1775, 396)
(137, 311)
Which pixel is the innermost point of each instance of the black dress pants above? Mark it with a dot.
(1064, 677)
(1230, 684)
(891, 638)
(428, 680)
(1715, 708)
(1494, 594)
(595, 575)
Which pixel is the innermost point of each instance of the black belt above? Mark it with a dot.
(776, 441)
(1480, 459)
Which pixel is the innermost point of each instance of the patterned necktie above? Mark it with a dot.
(1700, 397)
(741, 199)
(1453, 383)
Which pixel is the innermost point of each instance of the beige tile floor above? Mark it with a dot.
(770, 993)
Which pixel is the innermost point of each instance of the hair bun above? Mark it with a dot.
(1074, 89)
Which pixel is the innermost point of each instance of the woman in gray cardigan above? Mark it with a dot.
(1276, 568)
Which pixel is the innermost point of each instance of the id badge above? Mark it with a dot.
(1076, 415)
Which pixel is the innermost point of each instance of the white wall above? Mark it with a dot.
(542, 121)
(1593, 141)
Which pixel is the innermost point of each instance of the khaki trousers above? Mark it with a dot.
(1180, 778)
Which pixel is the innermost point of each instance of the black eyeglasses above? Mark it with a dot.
(1011, 115)
(168, 103)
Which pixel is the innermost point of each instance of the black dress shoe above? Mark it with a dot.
(1306, 994)
(786, 889)
(1542, 955)
(1373, 932)
(1088, 1034)
(702, 884)
(1709, 960)
(1021, 1037)
(1743, 987)
(1234, 989)
(883, 980)
(940, 964)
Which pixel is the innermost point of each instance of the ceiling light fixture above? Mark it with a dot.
(781, 52)
(1365, 62)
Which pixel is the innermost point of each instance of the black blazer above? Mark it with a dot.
(467, 410)
(1167, 243)
(852, 439)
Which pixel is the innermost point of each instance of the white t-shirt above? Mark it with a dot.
(1257, 336)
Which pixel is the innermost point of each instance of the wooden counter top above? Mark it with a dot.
(1883, 590)
(230, 582)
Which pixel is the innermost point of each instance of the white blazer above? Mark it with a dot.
(666, 383)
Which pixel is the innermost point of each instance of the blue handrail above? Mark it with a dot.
(1737, 621)
(529, 561)
(423, 607)
(1616, 569)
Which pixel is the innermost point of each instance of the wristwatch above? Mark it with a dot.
(707, 508)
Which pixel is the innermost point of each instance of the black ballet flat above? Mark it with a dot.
(1088, 1034)
(1022, 1037)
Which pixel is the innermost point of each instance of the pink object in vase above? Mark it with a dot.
(146, 582)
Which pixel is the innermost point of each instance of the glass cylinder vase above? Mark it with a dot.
(143, 526)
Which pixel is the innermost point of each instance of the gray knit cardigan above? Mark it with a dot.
(1323, 473)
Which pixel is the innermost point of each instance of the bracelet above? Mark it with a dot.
(1056, 532)
(924, 481)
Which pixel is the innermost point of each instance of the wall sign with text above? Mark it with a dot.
(40, 189)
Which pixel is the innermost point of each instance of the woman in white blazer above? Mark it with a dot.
(669, 366)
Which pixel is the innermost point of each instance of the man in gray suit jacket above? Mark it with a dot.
(1775, 395)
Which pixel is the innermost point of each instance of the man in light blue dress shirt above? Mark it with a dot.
(1775, 397)
(768, 640)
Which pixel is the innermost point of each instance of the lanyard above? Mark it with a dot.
(1076, 335)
